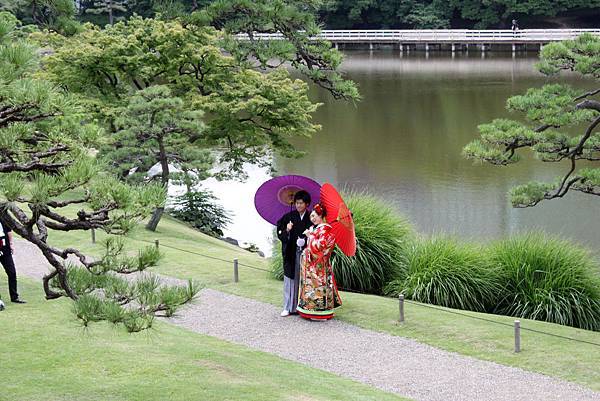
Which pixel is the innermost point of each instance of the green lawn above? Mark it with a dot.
(47, 355)
(577, 362)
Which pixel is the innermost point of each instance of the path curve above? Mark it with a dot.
(391, 363)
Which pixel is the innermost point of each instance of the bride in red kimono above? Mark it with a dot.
(318, 294)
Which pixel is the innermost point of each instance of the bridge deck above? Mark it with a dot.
(457, 36)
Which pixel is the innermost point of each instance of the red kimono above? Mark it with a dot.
(318, 295)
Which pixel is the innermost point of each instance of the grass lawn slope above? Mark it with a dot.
(569, 360)
(46, 355)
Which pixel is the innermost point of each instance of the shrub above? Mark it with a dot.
(382, 237)
(202, 211)
(548, 279)
(444, 272)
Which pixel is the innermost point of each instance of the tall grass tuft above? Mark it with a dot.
(276, 260)
(382, 238)
(443, 271)
(548, 279)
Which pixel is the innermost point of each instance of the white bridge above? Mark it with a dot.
(437, 38)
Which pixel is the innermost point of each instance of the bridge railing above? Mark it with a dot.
(443, 35)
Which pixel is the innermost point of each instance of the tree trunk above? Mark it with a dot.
(155, 219)
(164, 164)
(110, 12)
(34, 12)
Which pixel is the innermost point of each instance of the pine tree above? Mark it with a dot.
(156, 127)
(55, 15)
(50, 181)
(552, 113)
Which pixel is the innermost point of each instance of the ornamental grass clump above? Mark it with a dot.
(382, 236)
(276, 260)
(442, 271)
(549, 279)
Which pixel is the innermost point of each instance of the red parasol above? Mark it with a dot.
(340, 219)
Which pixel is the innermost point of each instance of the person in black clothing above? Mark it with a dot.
(290, 231)
(6, 259)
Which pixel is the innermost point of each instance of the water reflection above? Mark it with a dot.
(404, 142)
(238, 199)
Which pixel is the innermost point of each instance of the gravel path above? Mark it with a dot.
(391, 363)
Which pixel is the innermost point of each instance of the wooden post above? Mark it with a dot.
(156, 243)
(236, 277)
(401, 306)
(517, 336)
(93, 236)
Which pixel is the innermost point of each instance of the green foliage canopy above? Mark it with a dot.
(247, 113)
(242, 110)
(297, 25)
(55, 15)
(432, 14)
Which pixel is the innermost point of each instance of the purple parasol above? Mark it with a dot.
(275, 197)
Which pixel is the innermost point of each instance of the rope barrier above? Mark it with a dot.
(187, 251)
(477, 317)
(388, 297)
(458, 313)
(559, 336)
(255, 268)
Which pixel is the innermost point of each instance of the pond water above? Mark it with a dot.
(403, 142)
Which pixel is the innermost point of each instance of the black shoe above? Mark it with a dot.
(18, 301)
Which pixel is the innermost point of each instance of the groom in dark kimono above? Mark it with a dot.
(290, 229)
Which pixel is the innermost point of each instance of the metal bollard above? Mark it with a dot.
(156, 243)
(236, 277)
(517, 336)
(401, 306)
(93, 236)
